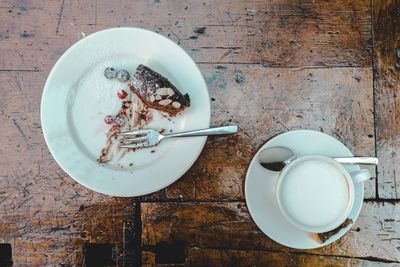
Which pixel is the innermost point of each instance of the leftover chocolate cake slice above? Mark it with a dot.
(157, 92)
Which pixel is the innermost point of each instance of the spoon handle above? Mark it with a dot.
(358, 160)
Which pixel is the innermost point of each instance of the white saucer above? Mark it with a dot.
(77, 97)
(260, 196)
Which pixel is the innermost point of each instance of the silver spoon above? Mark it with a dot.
(276, 158)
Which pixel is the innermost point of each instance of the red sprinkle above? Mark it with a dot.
(122, 94)
(109, 119)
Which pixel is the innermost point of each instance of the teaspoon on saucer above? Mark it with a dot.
(276, 158)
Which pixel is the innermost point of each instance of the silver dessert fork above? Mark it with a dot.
(148, 137)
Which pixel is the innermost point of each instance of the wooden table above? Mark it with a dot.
(270, 66)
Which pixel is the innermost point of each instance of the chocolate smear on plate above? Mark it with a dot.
(135, 114)
(149, 91)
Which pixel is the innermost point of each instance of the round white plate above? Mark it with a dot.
(77, 97)
(260, 184)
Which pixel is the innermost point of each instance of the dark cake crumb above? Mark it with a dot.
(323, 237)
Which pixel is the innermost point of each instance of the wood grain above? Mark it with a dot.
(386, 89)
(212, 178)
(271, 66)
(228, 227)
(274, 33)
(265, 102)
(214, 257)
(45, 215)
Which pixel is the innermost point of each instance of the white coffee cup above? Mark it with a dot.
(316, 194)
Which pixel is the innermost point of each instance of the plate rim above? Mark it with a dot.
(46, 88)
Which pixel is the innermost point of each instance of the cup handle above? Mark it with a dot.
(360, 176)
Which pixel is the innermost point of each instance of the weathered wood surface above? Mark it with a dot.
(275, 33)
(387, 88)
(271, 66)
(214, 257)
(45, 215)
(229, 227)
(265, 102)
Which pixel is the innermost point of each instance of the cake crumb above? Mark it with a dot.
(323, 237)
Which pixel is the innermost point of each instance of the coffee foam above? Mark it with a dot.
(314, 193)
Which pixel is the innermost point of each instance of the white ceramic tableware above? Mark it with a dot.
(260, 187)
(77, 97)
(316, 193)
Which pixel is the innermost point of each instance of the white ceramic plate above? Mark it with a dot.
(260, 183)
(77, 97)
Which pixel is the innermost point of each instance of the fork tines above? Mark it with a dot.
(135, 132)
(140, 139)
(140, 145)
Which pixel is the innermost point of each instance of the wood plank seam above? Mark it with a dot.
(386, 64)
(374, 100)
(21, 70)
(382, 200)
(137, 242)
(298, 252)
(294, 67)
(195, 201)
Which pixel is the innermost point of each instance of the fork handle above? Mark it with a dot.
(205, 132)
